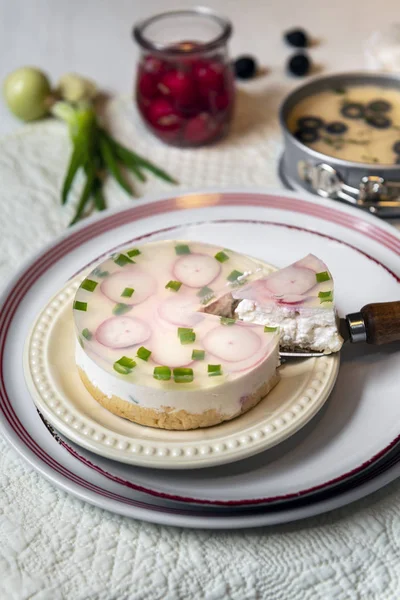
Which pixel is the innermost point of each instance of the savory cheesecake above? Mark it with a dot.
(148, 352)
(297, 302)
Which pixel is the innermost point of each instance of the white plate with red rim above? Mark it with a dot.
(357, 427)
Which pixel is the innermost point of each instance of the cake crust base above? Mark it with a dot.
(168, 418)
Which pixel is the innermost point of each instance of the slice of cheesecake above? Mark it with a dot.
(299, 301)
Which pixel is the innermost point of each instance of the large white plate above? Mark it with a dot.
(62, 398)
(357, 425)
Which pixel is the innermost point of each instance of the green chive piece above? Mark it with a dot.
(89, 285)
(198, 354)
(182, 330)
(121, 309)
(134, 252)
(127, 293)
(187, 338)
(270, 329)
(143, 353)
(81, 342)
(121, 260)
(205, 291)
(214, 370)
(323, 276)
(221, 257)
(234, 275)
(99, 273)
(87, 334)
(80, 305)
(227, 321)
(173, 285)
(124, 365)
(325, 296)
(162, 373)
(183, 375)
(182, 249)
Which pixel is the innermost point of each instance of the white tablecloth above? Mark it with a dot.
(53, 546)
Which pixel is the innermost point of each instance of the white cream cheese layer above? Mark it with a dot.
(314, 329)
(226, 398)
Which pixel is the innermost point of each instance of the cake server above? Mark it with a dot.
(375, 324)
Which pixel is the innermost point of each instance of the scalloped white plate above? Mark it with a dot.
(59, 394)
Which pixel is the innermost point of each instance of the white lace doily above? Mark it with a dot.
(53, 546)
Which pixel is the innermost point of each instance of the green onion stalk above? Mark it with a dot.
(98, 154)
(28, 94)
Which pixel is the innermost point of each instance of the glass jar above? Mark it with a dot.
(184, 84)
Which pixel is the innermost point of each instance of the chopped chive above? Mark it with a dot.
(127, 293)
(182, 330)
(173, 285)
(124, 365)
(234, 275)
(133, 252)
(121, 309)
(198, 354)
(221, 257)
(162, 373)
(81, 342)
(143, 353)
(99, 273)
(80, 305)
(227, 321)
(323, 276)
(214, 370)
(270, 329)
(187, 338)
(205, 291)
(89, 285)
(182, 249)
(325, 296)
(86, 334)
(339, 91)
(183, 375)
(121, 260)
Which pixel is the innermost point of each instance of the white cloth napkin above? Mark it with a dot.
(55, 547)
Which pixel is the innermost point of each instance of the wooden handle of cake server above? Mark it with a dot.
(382, 322)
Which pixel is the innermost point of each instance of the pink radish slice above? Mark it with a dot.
(232, 343)
(168, 351)
(196, 270)
(178, 310)
(122, 332)
(129, 277)
(291, 280)
(311, 262)
(256, 291)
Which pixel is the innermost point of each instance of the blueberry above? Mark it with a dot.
(307, 136)
(336, 127)
(378, 121)
(245, 67)
(353, 110)
(396, 148)
(299, 64)
(297, 38)
(379, 106)
(310, 123)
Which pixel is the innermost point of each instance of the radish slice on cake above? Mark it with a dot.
(122, 332)
(196, 270)
(130, 286)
